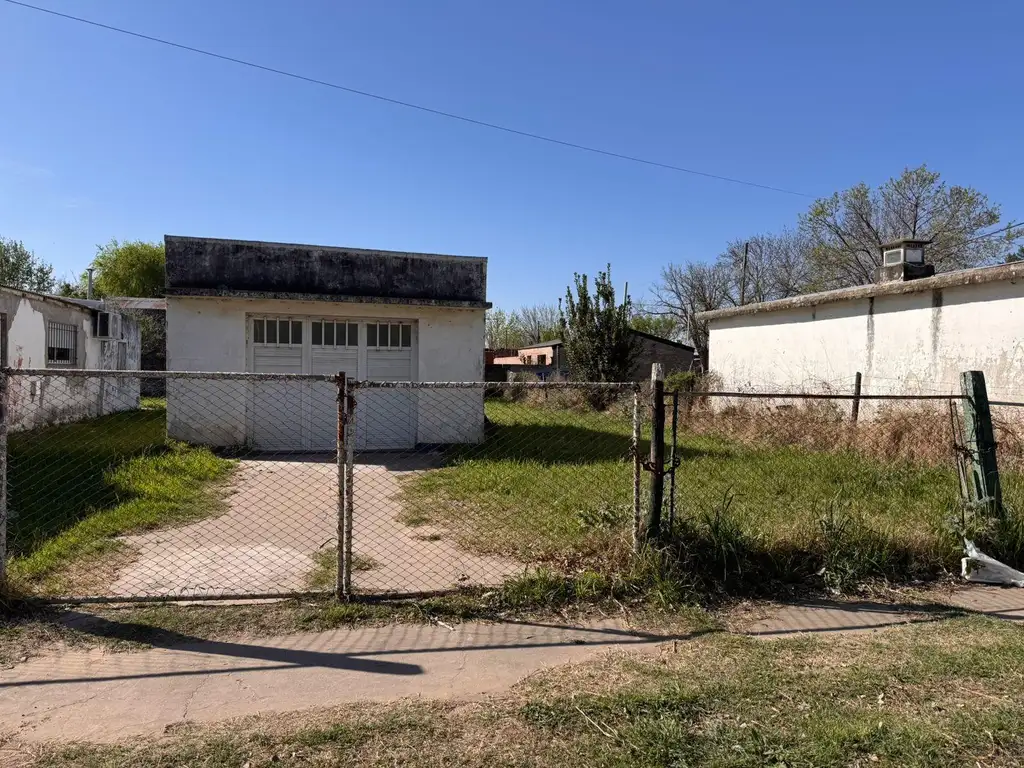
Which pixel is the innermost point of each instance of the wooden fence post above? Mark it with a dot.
(983, 483)
(855, 412)
(657, 463)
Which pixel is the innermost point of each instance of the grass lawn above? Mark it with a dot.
(555, 486)
(933, 694)
(74, 488)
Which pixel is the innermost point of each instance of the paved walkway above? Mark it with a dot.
(97, 695)
(770, 620)
(280, 513)
(101, 696)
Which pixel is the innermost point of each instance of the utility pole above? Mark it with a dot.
(743, 275)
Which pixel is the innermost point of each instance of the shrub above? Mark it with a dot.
(681, 381)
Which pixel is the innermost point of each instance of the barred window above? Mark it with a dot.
(61, 344)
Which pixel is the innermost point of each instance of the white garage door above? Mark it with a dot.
(302, 416)
(386, 418)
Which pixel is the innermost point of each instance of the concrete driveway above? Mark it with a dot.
(280, 513)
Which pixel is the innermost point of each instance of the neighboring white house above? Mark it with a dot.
(278, 308)
(41, 331)
(906, 335)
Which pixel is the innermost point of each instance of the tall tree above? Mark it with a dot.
(539, 322)
(685, 290)
(598, 342)
(131, 268)
(776, 267)
(846, 231)
(502, 330)
(20, 268)
(664, 325)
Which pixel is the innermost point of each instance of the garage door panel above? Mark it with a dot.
(323, 395)
(386, 419)
(277, 409)
(277, 359)
(276, 415)
(388, 365)
(302, 415)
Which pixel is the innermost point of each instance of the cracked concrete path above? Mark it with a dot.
(280, 512)
(102, 696)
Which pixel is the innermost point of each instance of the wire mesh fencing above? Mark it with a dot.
(233, 485)
(461, 485)
(226, 487)
(793, 486)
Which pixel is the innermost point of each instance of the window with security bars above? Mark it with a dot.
(277, 331)
(326, 333)
(388, 335)
(61, 344)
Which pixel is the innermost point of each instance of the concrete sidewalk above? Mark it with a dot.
(770, 620)
(101, 696)
(96, 695)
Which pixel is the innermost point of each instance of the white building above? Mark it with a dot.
(906, 334)
(279, 308)
(42, 331)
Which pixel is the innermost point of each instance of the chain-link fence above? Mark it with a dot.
(226, 487)
(481, 482)
(233, 485)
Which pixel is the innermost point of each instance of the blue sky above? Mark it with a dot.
(107, 136)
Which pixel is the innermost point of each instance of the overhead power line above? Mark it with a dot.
(407, 104)
(987, 235)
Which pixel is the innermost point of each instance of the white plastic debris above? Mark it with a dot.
(981, 568)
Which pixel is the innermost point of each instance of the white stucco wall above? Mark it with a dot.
(43, 400)
(913, 343)
(209, 334)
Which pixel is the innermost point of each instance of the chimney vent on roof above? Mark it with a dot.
(903, 260)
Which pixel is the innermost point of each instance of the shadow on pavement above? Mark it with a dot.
(341, 649)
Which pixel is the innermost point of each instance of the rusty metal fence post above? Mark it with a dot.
(341, 588)
(637, 464)
(4, 380)
(350, 453)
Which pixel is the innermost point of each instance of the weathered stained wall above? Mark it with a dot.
(210, 334)
(205, 266)
(43, 400)
(912, 343)
(672, 358)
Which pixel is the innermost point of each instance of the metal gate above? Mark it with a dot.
(112, 496)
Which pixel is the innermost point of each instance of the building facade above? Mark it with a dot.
(279, 308)
(41, 331)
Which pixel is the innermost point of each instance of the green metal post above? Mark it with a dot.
(983, 483)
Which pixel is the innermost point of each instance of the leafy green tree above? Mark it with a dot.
(502, 330)
(599, 344)
(662, 325)
(131, 268)
(20, 268)
(538, 323)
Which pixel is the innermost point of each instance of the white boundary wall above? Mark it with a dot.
(910, 343)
